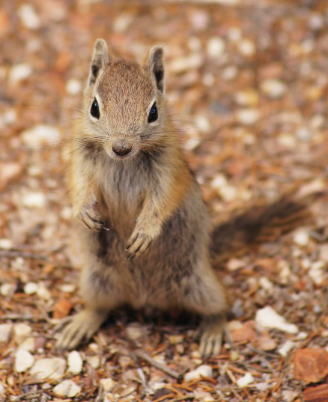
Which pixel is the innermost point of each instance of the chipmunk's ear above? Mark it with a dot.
(155, 61)
(100, 58)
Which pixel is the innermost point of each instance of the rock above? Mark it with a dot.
(289, 396)
(286, 348)
(34, 200)
(21, 332)
(301, 238)
(135, 331)
(108, 384)
(67, 388)
(266, 284)
(304, 134)
(273, 88)
(94, 361)
(233, 264)
(30, 288)
(247, 98)
(43, 292)
(7, 288)
(75, 362)
(229, 73)
(175, 339)
(246, 47)
(287, 140)
(29, 17)
(10, 172)
(182, 64)
(268, 318)
(215, 47)
(19, 73)
(203, 396)
(234, 356)
(28, 344)
(244, 334)
(40, 134)
(23, 361)
(234, 325)
(245, 380)
(62, 308)
(67, 288)
(5, 244)
(201, 371)
(310, 365)
(5, 332)
(2, 389)
(52, 368)
(316, 271)
(248, 116)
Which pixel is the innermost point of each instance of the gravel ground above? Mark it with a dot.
(247, 85)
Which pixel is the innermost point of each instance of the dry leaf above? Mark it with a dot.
(62, 308)
(310, 365)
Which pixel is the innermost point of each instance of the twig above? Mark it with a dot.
(22, 254)
(182, 398)
(15, 317)
(28, 395)
(144, 356)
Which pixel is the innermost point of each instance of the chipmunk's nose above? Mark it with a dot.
(121, 150)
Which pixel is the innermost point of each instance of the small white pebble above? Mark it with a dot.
(2, 389)
(301, 238)
(273, 88)
(29, 17)
(28, 344)
(248, 116)
(229, 73)
(30, 288)
(203, 370)
(107, 383)
(23, 361)
(246, 47)
(265, 283)
(19, 73)
(6, 289)
(34, 200)
(215, 47)
(75, 362)
(43, 292)
(73, 86)
(135, 331)
(67, 388)
(40, 134)
(6, 244)
(245, 380)
(52, 368)
(22, 332)
(301, 336)
(67, 288)
(5, 332)
(316, 272)
(94, 361)
(267, 317)
(286, 348)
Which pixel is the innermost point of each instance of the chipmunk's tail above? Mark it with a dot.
(258, 225)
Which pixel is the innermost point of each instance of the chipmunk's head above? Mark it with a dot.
(124, 102)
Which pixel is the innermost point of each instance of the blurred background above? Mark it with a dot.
(247, 87)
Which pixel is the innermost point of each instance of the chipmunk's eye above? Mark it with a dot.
(95, 109)
(153, 114)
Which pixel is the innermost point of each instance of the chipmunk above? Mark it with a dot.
(146, 233)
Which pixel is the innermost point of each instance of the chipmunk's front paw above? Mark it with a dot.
(90, 217)
(139, 241)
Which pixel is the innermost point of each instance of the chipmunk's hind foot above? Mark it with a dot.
(214, 331)
(76, 328)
